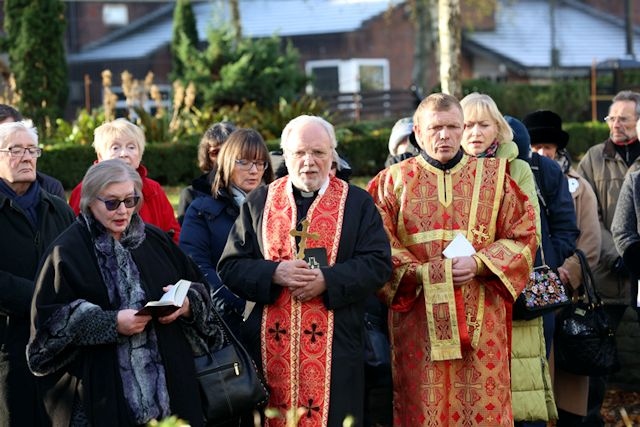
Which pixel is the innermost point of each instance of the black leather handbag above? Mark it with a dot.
(585, 342)
(230, 383)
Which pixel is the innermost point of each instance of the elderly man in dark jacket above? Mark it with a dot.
(30, 219)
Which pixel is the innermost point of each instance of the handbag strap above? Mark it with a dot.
(542, 254)
(593, 297)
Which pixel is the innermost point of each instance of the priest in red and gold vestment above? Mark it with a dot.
(308, 249)
(450, 340)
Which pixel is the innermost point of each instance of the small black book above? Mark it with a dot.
(170, 301)
(316, 257)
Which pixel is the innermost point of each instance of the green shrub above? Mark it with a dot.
(363, 145)
(582, 136)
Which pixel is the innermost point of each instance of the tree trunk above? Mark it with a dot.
(236, 23)
(449, 24)
(424, 44)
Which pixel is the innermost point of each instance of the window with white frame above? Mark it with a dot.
(351, 75)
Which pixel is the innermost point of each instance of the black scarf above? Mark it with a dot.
(28, 202)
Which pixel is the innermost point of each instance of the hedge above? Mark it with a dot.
(363, 145)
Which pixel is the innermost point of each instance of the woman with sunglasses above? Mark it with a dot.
(243, 164)
(98, 362)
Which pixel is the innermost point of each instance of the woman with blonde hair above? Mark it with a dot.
(123, 140)
(487, 134)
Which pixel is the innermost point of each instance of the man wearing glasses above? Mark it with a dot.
(30, 219)
(309, 249)
(605, 167)
(9, 114)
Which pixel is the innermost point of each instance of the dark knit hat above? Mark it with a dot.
(520, 137)
(545, 126)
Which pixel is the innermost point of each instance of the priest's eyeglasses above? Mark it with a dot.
(246, 165)
(316, 154)
(113, 204)
(19, 151)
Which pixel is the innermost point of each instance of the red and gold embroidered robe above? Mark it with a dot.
(297, 364)
(450, 354)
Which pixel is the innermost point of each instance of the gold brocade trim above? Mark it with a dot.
(477, 233)
(294, 351)
(479, 317)
(429, 236)
(514, 248)
(442, 293)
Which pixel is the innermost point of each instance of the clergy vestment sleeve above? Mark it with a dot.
(515, 220)
(404, 287)
(242, 266)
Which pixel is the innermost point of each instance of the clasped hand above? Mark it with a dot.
(463, 270)
(303, 282)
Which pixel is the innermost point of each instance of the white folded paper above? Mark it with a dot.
(458, 247)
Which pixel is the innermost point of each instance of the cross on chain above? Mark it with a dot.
(303, 234)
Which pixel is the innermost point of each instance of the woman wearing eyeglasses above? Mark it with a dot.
(99, 363)
(243, 164)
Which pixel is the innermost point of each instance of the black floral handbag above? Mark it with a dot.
(543, 293)
(230, 383)
(585, 342)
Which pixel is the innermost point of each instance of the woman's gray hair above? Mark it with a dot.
(103, 174)
(7, 130)
(303, 120)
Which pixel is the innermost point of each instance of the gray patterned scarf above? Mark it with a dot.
(141, 369)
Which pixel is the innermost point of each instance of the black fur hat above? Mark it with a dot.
(545, 126)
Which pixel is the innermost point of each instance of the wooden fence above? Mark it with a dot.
(356, 106)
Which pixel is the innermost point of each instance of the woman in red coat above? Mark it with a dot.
(121, 139)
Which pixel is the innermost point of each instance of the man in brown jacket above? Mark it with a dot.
(605, 166)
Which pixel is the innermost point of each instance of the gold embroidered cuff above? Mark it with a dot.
(481, 268)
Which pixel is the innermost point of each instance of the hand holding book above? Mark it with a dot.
(171, 301)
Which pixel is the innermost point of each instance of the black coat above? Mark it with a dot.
(21, 249)
(362, 266)
(70, 272)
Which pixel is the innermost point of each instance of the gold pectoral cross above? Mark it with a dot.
(303, 234)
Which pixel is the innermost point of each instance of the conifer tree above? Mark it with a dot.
(184, 39)
(34, 40)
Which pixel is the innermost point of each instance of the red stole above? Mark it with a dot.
(297, 337)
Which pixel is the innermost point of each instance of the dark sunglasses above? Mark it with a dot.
(113, 204)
